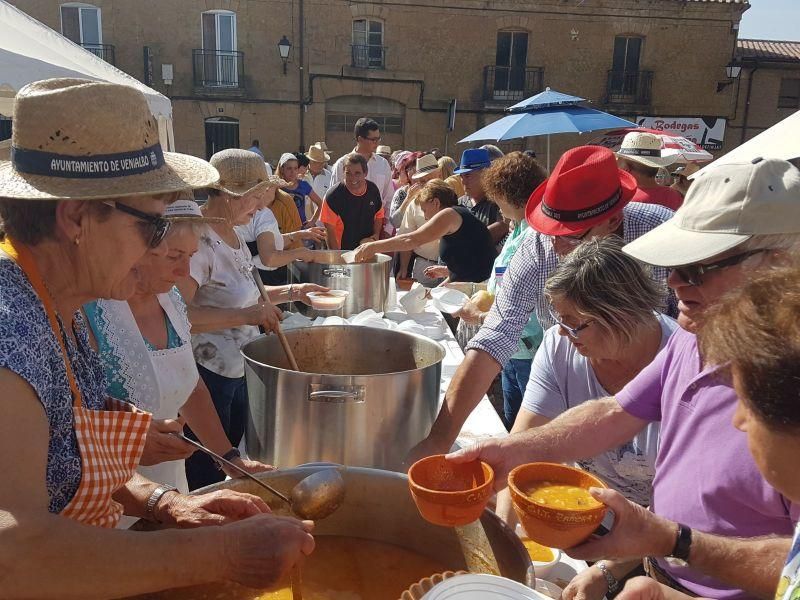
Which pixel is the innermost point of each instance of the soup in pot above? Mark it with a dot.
(340, 568)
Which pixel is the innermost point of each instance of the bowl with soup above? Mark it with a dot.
(450, 494)
(543, 558)
(553, 503)
(330, 300)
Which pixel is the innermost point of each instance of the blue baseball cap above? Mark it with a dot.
(473, 159)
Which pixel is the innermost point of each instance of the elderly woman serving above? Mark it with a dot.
(81, 203)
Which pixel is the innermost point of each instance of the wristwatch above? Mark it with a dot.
(613, 584)
(683, 544)
(154, 499)
(232, 454)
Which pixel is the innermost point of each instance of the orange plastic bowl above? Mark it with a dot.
(450, 494)
(554, 527)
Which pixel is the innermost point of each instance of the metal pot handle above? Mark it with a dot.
(345, 395)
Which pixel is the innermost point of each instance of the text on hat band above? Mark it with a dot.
(640, 152)
(584, 213)
(99, 166)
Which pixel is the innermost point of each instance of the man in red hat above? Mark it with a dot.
(586, 196)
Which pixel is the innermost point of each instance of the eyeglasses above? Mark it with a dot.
(158, 226)
(693, 274)
(574, 332)
(372, 139)
(572, 240)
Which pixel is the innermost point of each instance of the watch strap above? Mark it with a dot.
(232, 454)
(155, 497)
(613, 584)
(683, 543)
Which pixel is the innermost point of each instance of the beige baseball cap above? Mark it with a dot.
(725, 207)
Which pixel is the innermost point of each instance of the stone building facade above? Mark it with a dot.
(403, 61)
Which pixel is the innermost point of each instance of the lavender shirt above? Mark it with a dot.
(705, 476)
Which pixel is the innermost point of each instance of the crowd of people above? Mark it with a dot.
(649, 334)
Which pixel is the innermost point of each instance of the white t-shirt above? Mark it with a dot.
(263, 221)
(224, 278)
(562, 378)
(413, 219)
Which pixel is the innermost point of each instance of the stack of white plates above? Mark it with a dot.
(482, 587)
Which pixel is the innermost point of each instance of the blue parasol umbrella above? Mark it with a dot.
(547, 113)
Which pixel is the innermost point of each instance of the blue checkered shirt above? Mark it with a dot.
(522, 292)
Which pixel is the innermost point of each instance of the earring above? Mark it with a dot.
(77, 240)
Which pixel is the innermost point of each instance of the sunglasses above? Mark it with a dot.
(158, 226)
(693, 274)
(574, 332)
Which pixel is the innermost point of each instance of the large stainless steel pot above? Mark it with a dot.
(378, 507)
(364, 397)
(368, 283)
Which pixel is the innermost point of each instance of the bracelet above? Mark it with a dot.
(153, 500)
(290, 290)
(611, 581)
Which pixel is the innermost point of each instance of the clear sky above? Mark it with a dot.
(772, 20)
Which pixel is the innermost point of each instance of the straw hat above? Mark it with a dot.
(80, 139)
(240, 171)
(384, 150)
(426, 164)
(726, 205)
(186, 210)
(317, 153)
(644, 148)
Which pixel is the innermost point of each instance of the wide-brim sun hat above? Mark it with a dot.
(240, 171)
(186, 210)
(585, 188)
(725, 206)
(79, 139)
(646, 149)
(317, 154)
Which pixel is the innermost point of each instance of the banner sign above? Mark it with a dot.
(706, 132)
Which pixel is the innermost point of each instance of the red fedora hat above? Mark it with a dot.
(585, 188)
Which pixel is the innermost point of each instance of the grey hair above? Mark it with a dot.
(608, 285)
(494, 151)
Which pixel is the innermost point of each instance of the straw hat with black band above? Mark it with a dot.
(646, 149)
(426, 165)
(57, 153)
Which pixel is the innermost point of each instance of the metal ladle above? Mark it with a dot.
(315, 497)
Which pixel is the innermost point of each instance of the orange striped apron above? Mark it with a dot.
(110, 441)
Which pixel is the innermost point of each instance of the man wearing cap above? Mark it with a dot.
(473, 162)
(641, 156)
(368, 137)
(586, 196)
(717, 528)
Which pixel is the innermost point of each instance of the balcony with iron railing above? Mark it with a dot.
(218, 70)
(368, 56)
(631, 88)
(511, 84)
(104, 51)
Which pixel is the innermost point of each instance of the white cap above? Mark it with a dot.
(725, 207)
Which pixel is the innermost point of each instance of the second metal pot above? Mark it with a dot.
(368, 283)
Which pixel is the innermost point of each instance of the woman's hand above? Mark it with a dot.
(470, 314)
(264, 314)
(251, 466)
(214, 508)
(161, 446)
(436, 271)
(260, 552)
(302, 290)
(589, 584)
(364, 253)
(315, 234)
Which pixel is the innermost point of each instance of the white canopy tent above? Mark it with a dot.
(782, 140)
(30, 51)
